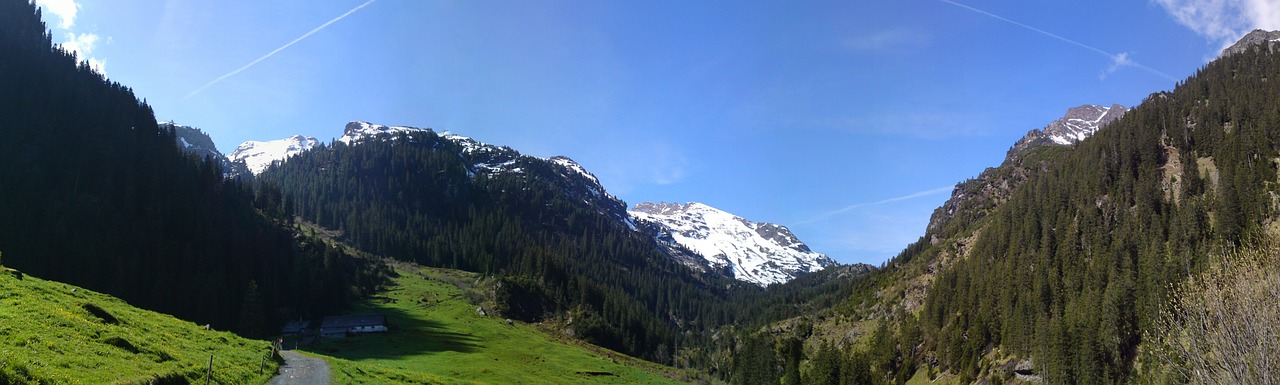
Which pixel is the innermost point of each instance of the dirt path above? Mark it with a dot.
(301, 370)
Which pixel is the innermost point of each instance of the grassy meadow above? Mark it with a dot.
(54, 333)
(437, 336)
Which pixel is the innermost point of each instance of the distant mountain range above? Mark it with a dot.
(695, 234)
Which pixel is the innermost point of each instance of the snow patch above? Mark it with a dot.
(760, 253)
(260, 155)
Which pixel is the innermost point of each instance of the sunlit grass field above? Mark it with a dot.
(438, 335)
(56, 333)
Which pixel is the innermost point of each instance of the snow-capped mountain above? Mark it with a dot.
(483, 159)
(695, 234)
(260, 155)
(488, 159)
(1078, 123)
(357, 131)
(760, 253)
(197, 142)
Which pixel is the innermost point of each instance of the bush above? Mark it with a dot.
(1223, 326)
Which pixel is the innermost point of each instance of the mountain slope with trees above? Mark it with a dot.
(417, 196)
(1075, 267)
(1065, 264)
(95, 193)
(1065, 276)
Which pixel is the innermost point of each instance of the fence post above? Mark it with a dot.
(209, 377)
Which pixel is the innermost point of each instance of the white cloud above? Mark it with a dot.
(1224, 21)
(63, 9)
(82, 46)
(1265, 14)
(1118, 61)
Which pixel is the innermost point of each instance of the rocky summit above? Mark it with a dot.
(756, 252)
(1250, 39)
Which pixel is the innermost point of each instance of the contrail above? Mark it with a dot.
(849, 208)
(277, 50)
(1115, 58)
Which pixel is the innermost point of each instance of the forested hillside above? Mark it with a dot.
(1066, 275)
(412, 197)
(96, 194)
(1076, 265)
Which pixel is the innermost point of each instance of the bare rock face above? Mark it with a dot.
(197, 142)
(1258, 36)
(1078, 123)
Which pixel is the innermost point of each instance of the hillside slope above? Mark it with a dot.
(97, 194)
(1060, 263)
(1057, 266)
(53, 333)
(563, 247)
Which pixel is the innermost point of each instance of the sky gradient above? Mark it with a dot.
(847, 121)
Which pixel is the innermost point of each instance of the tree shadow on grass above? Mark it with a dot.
(409, 335)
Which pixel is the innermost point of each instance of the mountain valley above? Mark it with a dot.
(1118, 245)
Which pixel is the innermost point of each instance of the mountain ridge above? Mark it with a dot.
(1077, 124)
(757, 252)
(482, 159)
(197, 142)
(1255, 37)
(258, 155)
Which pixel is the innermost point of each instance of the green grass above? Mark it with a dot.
(54, 333)
(438, 337)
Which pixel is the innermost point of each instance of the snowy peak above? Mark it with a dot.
(480, 159)
(1078, 123)
(756, 252)
(574, 166)
(357, 131)
(260, 155)
(1081, 122)
(1251, 39)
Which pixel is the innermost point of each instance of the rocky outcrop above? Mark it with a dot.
(1256, 37)
(198, 143)
(1076, 125)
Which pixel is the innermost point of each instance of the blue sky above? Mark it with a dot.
(847, 121)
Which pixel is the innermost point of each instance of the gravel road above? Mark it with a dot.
(301, 370)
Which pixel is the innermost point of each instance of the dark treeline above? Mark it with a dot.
(412, 197)
(94, 193)
(1074, 268)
